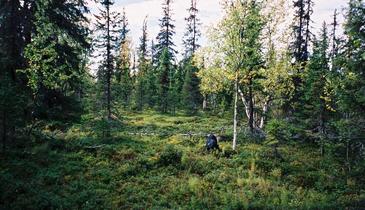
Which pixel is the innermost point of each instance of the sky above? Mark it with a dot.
(210, 13)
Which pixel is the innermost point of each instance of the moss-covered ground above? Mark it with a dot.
(148, 163)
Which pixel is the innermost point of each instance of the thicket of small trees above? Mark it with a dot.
(300, 84)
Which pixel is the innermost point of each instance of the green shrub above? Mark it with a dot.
(196, 166)
(279, 131)
(228, 152)
(170, 155)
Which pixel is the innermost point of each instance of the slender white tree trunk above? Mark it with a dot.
(265, 109)
(235, 113)
(205, 102)
(244, 102)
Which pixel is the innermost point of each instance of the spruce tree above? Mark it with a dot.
(335, 41)
(167, 31)
(351, 90)
(124, 84)
(58, 45)
(316, 80)
(107, 43)
(191, 96)
(164, 82)
(10, 55)
(152, 83)
(301, 30)
(355, 59)
(166, 53)
(192, 33)
(350, 84)
(55, 56)
(143, 69)
(300, 48)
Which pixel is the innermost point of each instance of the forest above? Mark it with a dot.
(90, 119)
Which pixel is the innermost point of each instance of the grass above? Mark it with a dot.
(169, 171)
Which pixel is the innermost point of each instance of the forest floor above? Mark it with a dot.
(148, 163)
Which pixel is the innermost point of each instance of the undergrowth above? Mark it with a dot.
(148, 164)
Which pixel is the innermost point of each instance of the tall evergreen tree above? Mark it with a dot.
(107, 42)
(301, 30)
(352, 90)
(10, 55)
(335, 40)
(300, 46)
(58, 45)
(166, 53)
(142, 91)
(350, 84)
(315, 85)
(152, 77)
(164, 76)
(191, 96)
(167, 31)
(192, 33)
(55, 57)
(123, 63)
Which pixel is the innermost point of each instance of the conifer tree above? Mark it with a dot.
(10, 60)
(58, 44)
(301, 30)
(300, 47)
(192, 33)
(107, 43)
(164, 76)
(166, 53)
(352, 84)
(191, 96)
(167, 31)
(335, 41)
(143, 69)
(152, 78)
(123, 63)
(316, 79)
(56, 55)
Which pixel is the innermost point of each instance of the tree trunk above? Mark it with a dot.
(4, 130)
(265, 109)
(141, 96)
(204, 102)
(244, 103)
(322, 131)
(109, 71)
(348, 155)
(250, 95)
(235, 113)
